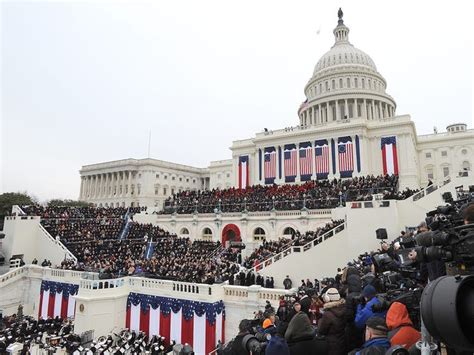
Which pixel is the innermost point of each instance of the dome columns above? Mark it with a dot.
(346, 108)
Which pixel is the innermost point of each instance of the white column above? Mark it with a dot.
(81, 191)
(372, 113)
(298, 179)
(320, 118)
(338, 111)
(364, 109)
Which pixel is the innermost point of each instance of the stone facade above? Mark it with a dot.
(346, 98)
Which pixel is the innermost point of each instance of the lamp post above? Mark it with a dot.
(219, 207)
(245, 204)
(340, 198)
(273, 203)
(195, 205)
(304, 201)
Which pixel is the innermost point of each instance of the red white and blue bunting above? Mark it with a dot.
(55, 300)
(198, 324)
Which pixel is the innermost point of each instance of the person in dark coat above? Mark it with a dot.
(287, 283)
(299, 327)
(353, 288)
(236, 347)
(333, 323)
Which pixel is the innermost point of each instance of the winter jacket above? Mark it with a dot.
(400, 326)
(365, 312)
(277, 346)
(299, 328)
(374, 346)
(332, 325)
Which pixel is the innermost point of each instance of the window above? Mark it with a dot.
(157, 188)
(446, 171)
(180, 179)
(258, 234)
(207, 234)
(173, 178)
(333, 84)
(289, 231)
(172, 191)
(228, 175)
(157, 176)
(444, 153)
(348, 82)
(164, 191)
(363, 83)
(466, 166)
(320, 88)
(187, 179)
(430, 176)
(340, 83)
(139, 176)
(428, 155)
(194, 181)
(356, 82)
(464, 151)
(166, 177)
(184, 231)
(126, 189)
(138, 189)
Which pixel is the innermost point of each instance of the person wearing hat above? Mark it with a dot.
(333, 323)
(269, 322)
(364, 312)
(401, 330)
(376, 341)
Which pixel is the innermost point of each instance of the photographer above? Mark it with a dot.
(365, 310)
(237, 348)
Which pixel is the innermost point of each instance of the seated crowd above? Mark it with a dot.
(271, 248)
(312, 194)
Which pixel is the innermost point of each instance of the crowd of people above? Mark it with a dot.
(271, 248)
(312, 195)
(362, 310)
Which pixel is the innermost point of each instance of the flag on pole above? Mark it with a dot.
(243, 171)
(389, 155)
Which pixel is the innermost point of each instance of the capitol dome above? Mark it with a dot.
(345, 84)
(344, 54)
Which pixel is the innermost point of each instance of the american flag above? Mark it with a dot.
(306, 160)
(346, 157)
(290, 161)
(322, 160)
(270, 166)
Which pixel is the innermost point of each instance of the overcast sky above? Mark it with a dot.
(84, 83)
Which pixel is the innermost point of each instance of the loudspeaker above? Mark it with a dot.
(381, 233)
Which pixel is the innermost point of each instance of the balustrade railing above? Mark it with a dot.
(298, 249)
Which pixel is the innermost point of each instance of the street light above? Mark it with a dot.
(220, 201)
(273, 203)
(304, 201)
(245, 204)
(195, 205)
(340, 198)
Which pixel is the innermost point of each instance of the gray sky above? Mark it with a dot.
(85, 82)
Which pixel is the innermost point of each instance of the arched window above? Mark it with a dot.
(289, 231)
(207, 234)
(466, 166)
(258, 234)
(185, 230)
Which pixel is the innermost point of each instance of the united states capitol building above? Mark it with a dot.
(347, 126)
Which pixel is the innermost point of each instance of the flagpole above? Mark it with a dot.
(149, 143)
